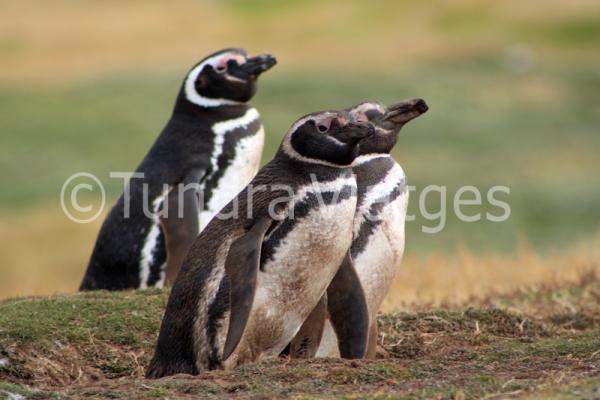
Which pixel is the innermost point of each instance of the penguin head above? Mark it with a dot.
(227, 77)
(387, 121)
(326, 137)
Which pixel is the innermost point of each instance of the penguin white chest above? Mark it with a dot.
(241, 168)
(296, 277)
(378, 260)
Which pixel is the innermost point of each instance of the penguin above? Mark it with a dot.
(260, 267)
(378, 227)
(208, 151)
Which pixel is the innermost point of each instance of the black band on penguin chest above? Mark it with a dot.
(301, 210)
(368, 175)
(227, 155)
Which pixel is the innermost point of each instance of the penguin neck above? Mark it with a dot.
(305, 166)
(186, 109)
(365, 158)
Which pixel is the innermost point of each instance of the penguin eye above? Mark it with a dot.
(324, 125)
(221, 68)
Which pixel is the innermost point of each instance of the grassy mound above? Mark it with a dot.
(540, 343)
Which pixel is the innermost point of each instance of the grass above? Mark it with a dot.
(517, 345)
(513, 94)
(112, 316)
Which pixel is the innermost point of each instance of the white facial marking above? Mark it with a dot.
(190, 83)
(313, 117)
(288, 149)
(149, 247)
(358, 114)
(221, 63)
(363, 108)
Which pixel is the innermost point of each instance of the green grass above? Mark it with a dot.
(72, 347)
(118, 318)
(487, 126)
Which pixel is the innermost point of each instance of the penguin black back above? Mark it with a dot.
(138, 245)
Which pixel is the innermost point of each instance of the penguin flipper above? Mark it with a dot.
(241, 267)
(306, 342)
(348, 310)
(180, 224)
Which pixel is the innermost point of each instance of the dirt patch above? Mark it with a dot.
(489, 350)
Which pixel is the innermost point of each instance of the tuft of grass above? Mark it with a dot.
(7, 388)
(121, 318)
(98, 344)
(157, 391)
(12, 391)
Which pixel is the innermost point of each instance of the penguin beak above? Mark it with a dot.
(255, 66)
(404, 111)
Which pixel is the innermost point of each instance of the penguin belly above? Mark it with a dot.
(295, 279)
(376, 266)
(377, 262)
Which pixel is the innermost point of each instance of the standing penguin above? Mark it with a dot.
(249, 282)
(208, 151)
(378, 229)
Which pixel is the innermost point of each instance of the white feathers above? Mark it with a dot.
(303, 264)
(190, 85)
(221, 128)
(288, 149)
(149, 247)
(363, 108)
(242, 167)
(377, 192)
(327, 186)
(208, 294)
(367, 157)
(377, 263)
(329, 342)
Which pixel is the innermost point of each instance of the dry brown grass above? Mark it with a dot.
(97, 344)
(457, 278)
(44, 253)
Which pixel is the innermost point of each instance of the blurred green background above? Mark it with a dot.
(513, 89)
